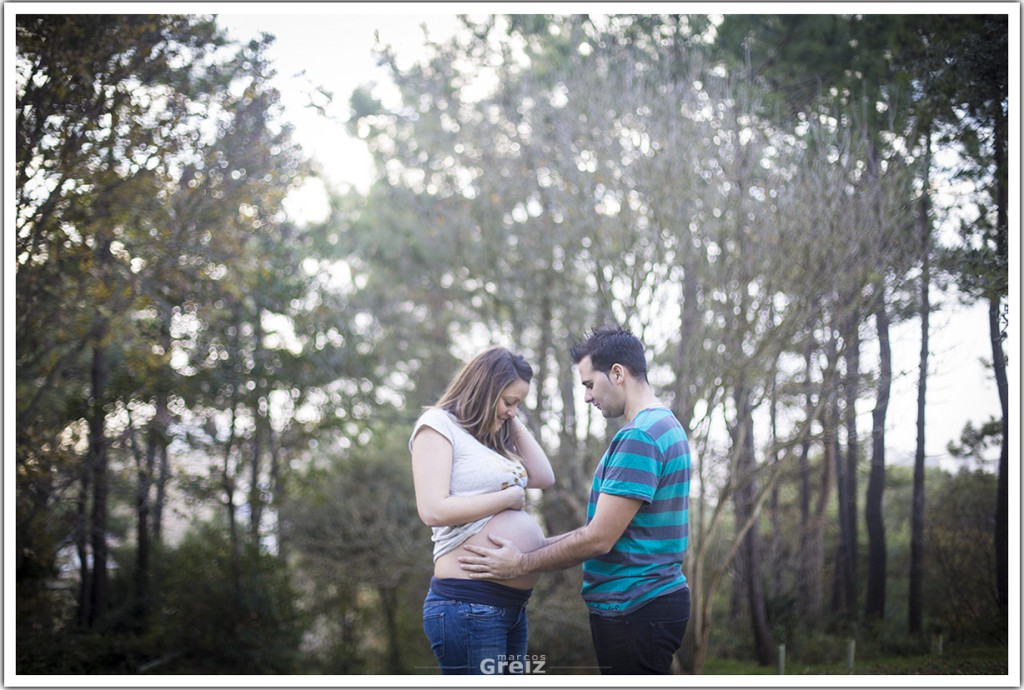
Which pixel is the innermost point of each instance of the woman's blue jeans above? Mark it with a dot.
(473, 639)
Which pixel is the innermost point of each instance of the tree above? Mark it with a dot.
(146, 155)
(874, 606)
(944, 53)
(915, 613)
(90, 154)
(878, 74)
(352, 523)
(647, 179)
(962, 587)
(210, 625)
(974, 82)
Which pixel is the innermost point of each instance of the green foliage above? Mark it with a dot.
(215, 613)
(146, 157)
(363, 103)
(153, 233)
(225, 613)
(959, 575)
(968, 62)
(961, 551)
(79, 653)
(362, 557)
(975, 441)
(559, 625)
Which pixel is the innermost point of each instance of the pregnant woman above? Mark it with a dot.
(472, 461)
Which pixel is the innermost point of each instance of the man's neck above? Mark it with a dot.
(644, 399)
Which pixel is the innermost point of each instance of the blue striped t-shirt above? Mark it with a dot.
(648, 459)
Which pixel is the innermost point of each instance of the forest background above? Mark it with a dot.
(214, 392)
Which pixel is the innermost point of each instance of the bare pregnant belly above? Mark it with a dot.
(515, 525)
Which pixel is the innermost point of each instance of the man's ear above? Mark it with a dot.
(618, 373)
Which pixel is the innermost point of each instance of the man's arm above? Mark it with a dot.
(548, 541)
(611, 517)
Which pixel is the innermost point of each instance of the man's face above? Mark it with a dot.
(602, 390)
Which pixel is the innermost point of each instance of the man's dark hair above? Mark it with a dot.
(611, 345)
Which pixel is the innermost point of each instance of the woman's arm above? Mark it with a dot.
(432, 476)
(538, 467)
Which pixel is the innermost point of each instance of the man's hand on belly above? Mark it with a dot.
(611, 517)
(502, 563)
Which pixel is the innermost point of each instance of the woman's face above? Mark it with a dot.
(509, 401)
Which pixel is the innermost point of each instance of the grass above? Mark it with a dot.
(975, 661)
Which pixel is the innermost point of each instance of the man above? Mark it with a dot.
(633, 544)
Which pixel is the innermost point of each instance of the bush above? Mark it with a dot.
(221, 614)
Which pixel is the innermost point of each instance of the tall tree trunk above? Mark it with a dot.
(749, 563)
(156, 447)
(564, 506)
(255, 490)
(699, 628)
(389, 606)
(915, 611)
(82, 540)
(807, 572)
(228, 485)
(852, 458)
(684, 402)
(99, 585)
(874, 608)
(229, 475)
(686, 393)
(259, 489)
(159, 431)
(545, 347)
(999, 363)
(99, 590)
(738, 593)
(839, 575)
(257, 501)
(1002, 513)
(819, 521)
(163, 475)
(277, 486)
(844, 595)
(776, 549)
(144, 464)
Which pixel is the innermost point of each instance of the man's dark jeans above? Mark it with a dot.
(644, 641)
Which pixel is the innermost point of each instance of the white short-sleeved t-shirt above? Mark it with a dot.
(476, 469)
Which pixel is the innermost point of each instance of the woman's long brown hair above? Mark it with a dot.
(472, 396)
